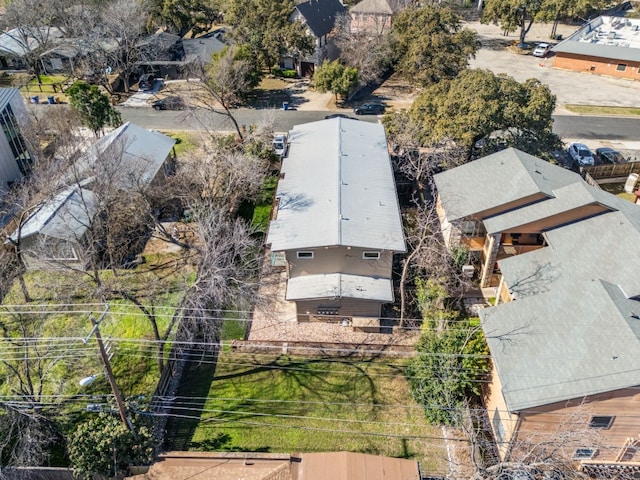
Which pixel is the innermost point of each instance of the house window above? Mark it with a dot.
(621, 67)
(304, 254)
(601, 421)
(16, 141)
(370, 255)
(585, 453)
(471, 228)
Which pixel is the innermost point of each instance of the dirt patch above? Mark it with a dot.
(395, 93)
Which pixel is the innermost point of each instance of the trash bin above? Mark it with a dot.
(285, 105)
(35, 99)
(51, 100)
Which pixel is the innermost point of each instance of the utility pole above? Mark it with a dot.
(107, 367)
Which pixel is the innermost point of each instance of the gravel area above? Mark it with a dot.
(275, 320)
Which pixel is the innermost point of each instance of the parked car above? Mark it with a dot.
(145, 82)
(369, 109)
(170, 103)
(338, 115)
(280, 145)
(609, 155)
(541, 50)
(581, 154)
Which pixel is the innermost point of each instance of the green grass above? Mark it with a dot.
(602, 110)
(618, 189)
(185, 142)
(285, 404)
(233, 327)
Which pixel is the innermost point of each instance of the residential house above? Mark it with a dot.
(564, 337)
(18, 43)
(481, 206)
(78, 56)
(320, 17)
(276, 466)
(59, 231)
(15, 158)
(199, 51)
(375, 17)
(337, 225)
(606, 45)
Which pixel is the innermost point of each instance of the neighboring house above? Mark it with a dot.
(565, 343)
(481, 206)
(198, 51)
(131, 156)
(58, 232)
(77, 56)
(605, 46)
(17, 44)
(319, 16)
(375, 17)
(337, 225)
(277, 466)
(15, 159)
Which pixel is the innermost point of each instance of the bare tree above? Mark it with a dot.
(370, 53)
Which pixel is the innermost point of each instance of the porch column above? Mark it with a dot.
(491, 254)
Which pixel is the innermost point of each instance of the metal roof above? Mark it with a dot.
(67, 216)
(337, 188)
(6, 95)
(339, 285)
(133, 153)
(572, 329)
(605, 37)
(497, 180)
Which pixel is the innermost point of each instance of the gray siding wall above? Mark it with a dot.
(9, 171)
(340, 260)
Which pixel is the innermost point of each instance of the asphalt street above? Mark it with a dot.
(566, 126)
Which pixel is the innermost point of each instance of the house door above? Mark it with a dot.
(306, 69)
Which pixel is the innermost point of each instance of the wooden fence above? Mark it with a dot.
(615, 170)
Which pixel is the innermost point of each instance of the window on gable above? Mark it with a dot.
(601, 421)
(370, 255)
(621, 67)
(304, 254)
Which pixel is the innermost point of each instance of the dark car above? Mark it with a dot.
(145, 82)
(369, 109)
(170, 103)
(338, 115)
(609, 155)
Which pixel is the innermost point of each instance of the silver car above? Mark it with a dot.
(581, 154)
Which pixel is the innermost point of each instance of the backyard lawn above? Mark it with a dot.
(292, 404)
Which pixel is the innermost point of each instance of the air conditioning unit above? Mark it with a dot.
(468, 270)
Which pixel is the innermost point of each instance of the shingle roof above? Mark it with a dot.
(379, 6)
(341, 285)
(572, 329)
(320, 15)
(497, 180)
(337, 189)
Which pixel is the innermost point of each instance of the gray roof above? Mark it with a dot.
(605, 37)
(337, 188)
(66, 216)
(11, 42)
(566, 198)
(131, 152)
(200, 50)
(320, 15)
(572, 329)
(340, 285)
(380, 6)
(496, 180)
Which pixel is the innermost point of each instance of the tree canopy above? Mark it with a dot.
(431, 45)
(452, 356)
(104, 443)
(264, 27)
(479, 105)
(335, 78)
(93, 107)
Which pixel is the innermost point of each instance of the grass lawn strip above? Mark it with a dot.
(286, 404)
(602, 110)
